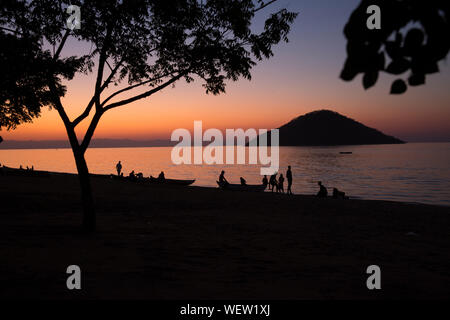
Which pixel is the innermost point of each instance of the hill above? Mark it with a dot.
(328, 128)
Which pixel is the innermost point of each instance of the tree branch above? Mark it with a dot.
(11, 30)
(264, 5)
(101, 65)
(90, 131)
(133, 87)
(145, 94)
(61, 45)
(62, 113)
(88, 108)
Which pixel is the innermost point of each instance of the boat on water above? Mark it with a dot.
(240, 187)
(151, 180)
(171, 181)
(346, 152)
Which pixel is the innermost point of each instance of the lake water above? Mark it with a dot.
(415, 172)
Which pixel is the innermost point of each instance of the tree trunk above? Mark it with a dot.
(86, 193)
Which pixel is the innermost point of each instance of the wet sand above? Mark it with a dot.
(162, 242)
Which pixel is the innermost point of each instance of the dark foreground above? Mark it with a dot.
(156, 242)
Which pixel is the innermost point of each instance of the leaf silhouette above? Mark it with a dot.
(398, 66)
(414, 40)
(349, 72)
(416, 79)
(415, 36)
(369, 79)
(398, 87)
(393, 49)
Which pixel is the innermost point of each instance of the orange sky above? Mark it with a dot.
(302, 77)
(256, 104)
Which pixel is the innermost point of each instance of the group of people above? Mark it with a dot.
(323, 192)
(277, 185)
(28, 168)
(136, 176)
(273, 183)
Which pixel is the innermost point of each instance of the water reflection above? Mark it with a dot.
(412, 172)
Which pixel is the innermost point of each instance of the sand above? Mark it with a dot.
(162, 242)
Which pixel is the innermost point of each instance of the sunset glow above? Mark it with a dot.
(302, 77)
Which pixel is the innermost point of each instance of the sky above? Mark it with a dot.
(303, 76)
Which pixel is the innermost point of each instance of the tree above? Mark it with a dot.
(414, 36)
(22, 90)
(144, 45)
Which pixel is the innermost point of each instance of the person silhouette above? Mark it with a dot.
(280, 186)
(243, 182)
(289, 180)
(132, 176)
(323, 193)
(337, 194)
(161, 176)
(265, 182)
(222, 179)
(119, 167)
(273, 181)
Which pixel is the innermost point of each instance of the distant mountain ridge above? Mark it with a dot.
(95, 143)
(317, 128)
(329, 128)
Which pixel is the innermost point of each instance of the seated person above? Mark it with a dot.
(338, 194)
(161, 176)
(222, 179)
(323, 191)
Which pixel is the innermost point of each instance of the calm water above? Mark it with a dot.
(416, 172)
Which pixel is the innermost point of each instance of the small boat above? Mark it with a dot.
(171, 181)
(346, 152)
(240, 187)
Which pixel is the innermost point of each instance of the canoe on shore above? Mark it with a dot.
(151, 180)
(239, 187)
(177, 182)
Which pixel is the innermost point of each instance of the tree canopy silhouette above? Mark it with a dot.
(144, 45)
(414, 37)
(22, 88)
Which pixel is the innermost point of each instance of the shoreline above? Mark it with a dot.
(108, 176)
(169, 242)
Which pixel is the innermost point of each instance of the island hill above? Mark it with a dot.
(329, 128)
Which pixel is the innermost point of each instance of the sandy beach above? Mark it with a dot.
(162, 242)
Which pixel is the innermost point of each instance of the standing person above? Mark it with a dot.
(273, 182)
(289, 179)
(280, 184)
(265, 182)
(118, 168)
